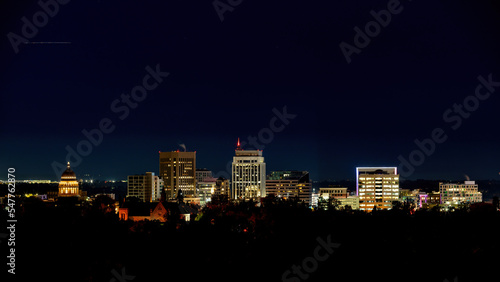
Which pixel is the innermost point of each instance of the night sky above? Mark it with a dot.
(226, 77)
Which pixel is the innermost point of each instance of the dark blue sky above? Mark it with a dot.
(227, 77)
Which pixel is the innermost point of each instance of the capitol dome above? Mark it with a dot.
(68, 186)
(68, 174)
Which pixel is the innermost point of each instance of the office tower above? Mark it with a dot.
(68, 186)
(143, 186)
(377, 186)
(178, 171)
(202, 173)
(248, 174)
(290, 184)
(456, 193)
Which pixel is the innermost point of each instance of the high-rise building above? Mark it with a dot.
(178, 171)
(248, 174)
(377, 186)
(202, 174)
(456, 193)
(143, 186)
(68, 186)
(290, 184)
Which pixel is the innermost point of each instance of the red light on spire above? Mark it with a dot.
(238, 145)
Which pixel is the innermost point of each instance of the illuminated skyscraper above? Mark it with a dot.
(178, 171)
(68, 186)
(377, 186)
(248, 174)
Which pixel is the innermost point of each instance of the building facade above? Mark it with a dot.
(157, 188)
(456, 193)
(333, 192)
(142, 186)
(178, 171)
(202, 174)
(434, 198)
(377, 187)
(206, 189)
(222, 187)
(290, 184)
(248, 177)
(351, 201)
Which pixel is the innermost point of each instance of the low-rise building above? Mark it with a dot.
(333, 192)
(457, 193)
(222, 187)
(206, 189)
(352, 201)
(290, 184)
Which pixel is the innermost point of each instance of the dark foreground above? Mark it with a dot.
(241, 243)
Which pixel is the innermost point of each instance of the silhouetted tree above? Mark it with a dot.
(180, 196)
(397, 205)
(496, 202)
(103, 202)
(333, 204)
(132, 200)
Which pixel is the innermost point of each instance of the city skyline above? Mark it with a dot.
(226, 173)
(236, 140)
(209, 81)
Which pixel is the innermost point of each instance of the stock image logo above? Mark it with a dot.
(310, 264)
